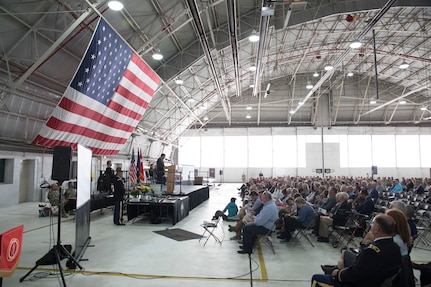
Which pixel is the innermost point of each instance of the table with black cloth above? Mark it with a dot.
(196, 194)
(174, 208)
(101, 200)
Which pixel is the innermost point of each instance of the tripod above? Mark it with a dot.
(58, 251)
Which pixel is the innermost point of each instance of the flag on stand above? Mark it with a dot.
(138, 167)
(132, 169)
(141, 167)
(106, 98)
(10, 250)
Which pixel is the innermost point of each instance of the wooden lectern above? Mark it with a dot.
(170, 179)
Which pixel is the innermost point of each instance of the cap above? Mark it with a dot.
(118, 169)
(233, 199)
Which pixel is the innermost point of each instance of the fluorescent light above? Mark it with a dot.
(248, 108)
(254, 37)
(355, 44)
(404, 65)
(316, 74)
(179, 81)
(115, 5)
(157, 55)
(373, 102)
(350, 74)
(328, 67)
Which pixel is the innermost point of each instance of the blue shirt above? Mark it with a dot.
(231, 208)
(397, 188)
(305, 215)
(267, 216)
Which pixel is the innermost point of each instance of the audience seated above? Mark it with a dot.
(262, 224)
(54, 198)
(375, 263)
(302, 220)
(337, 216)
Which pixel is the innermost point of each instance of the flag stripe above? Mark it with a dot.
(105, 100)
(50, 142)
(60, 125)
(93, 115)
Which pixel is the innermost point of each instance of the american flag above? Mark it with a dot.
(105, 100)
(141, 168)
(132, 169)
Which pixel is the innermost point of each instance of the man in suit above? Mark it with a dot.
(160, 169)
(380, 260)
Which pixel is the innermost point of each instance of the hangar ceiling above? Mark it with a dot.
(205, 45)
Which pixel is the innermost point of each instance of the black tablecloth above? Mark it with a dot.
(101, 200)
(173, 208)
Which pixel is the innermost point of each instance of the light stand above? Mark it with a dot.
(251, 270)
(58, 252)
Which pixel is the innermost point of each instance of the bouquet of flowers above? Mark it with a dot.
(139, 190)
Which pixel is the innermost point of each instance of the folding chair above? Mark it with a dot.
(302, 232)
(209, 227)
(266, 240)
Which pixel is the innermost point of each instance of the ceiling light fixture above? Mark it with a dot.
(402, 101)
(404, 65)
(248, 108)
(252, 67)
(355, 44)
(292, 112)
(309, 86)
(179, 81)
(206, 118)
(157, 55)
(115, 5)
(300, 103)
(316, 74)
(423, 108)
(328, 67)
(248, 116)
(373, 101)
(254, 36)
(350, 74)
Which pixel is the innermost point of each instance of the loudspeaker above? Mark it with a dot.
(220, 172)
(62, 163)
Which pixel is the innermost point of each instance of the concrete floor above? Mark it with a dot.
(133, 255)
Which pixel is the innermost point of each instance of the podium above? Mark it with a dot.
(170, 179)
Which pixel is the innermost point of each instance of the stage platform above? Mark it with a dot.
(172, 207)
(196, 193)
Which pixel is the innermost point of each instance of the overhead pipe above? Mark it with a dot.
(340, 59)
(204, 42)
(233, 36)
(264, 26)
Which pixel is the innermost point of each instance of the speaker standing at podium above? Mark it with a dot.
(160, 169)
(119, 192)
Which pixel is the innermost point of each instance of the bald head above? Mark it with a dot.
(385, 225)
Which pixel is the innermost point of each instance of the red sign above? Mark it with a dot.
(10, 250)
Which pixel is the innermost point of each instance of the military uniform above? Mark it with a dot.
(373, 265)
(119, 192)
